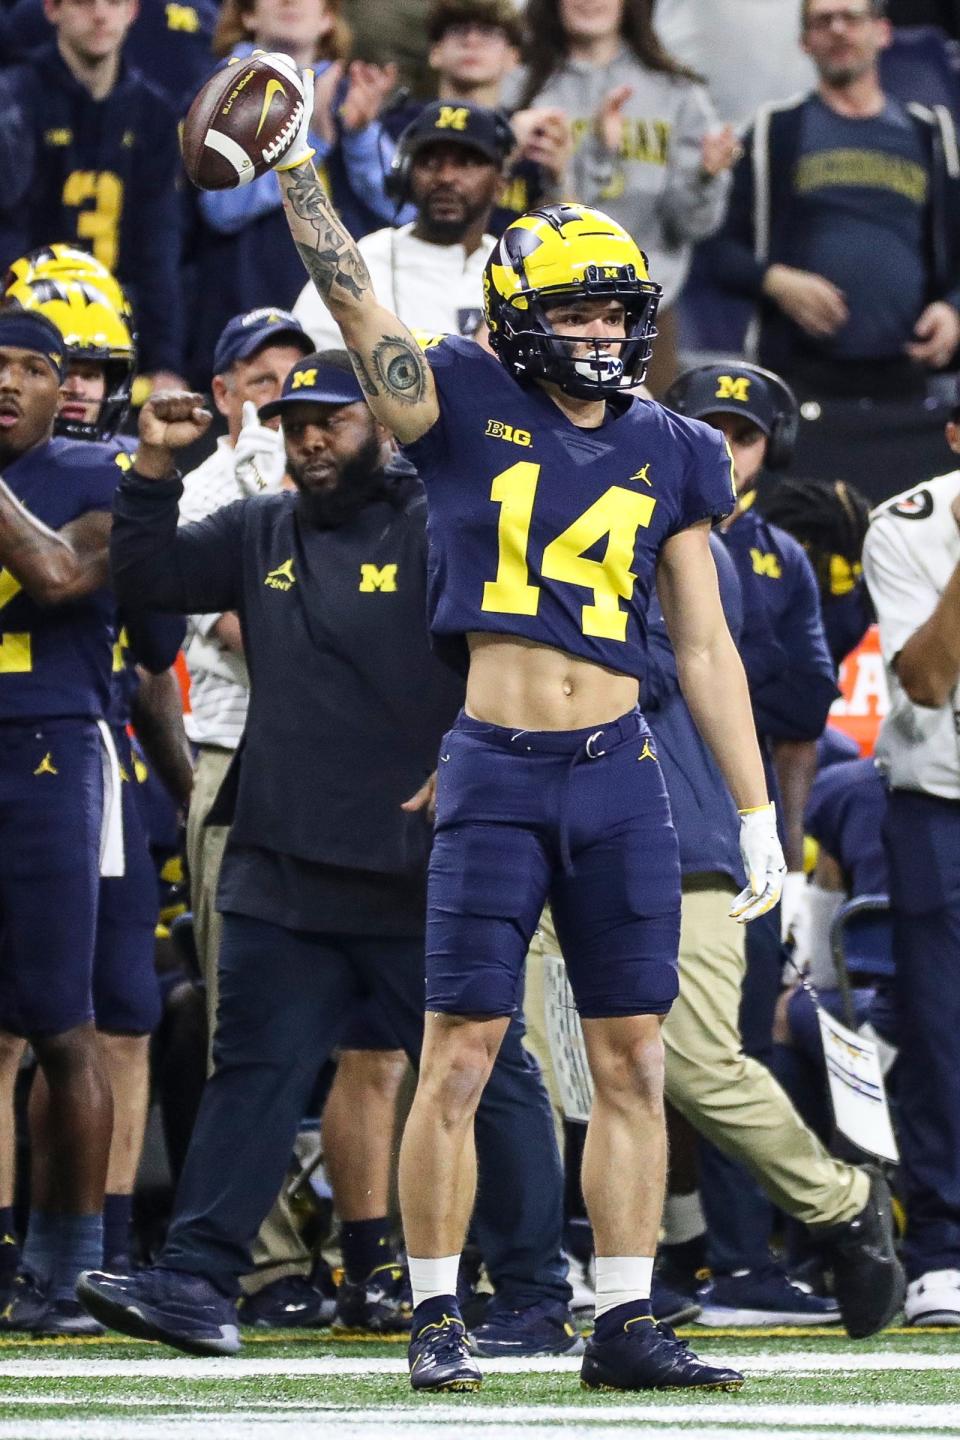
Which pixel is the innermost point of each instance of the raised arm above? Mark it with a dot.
(388, 362)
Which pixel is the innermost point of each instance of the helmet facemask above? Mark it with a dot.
(527, 344)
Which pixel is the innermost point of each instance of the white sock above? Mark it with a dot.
(433, 1277)
(622, 1279)
(682, 1218)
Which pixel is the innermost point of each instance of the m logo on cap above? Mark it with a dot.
(304, 380)
(452, 117)
(731, 387)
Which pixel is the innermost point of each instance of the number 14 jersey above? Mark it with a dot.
(540, 529)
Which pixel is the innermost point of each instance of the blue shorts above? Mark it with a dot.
(126, 992)
(51, 805)
(578, 817)
(370, 1028)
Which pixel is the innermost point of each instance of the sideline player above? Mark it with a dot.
(100, 358)
(55, 661)
(536, 462)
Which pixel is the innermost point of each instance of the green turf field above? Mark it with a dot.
(800, 1386)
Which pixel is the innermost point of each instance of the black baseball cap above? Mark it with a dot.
(314, 381)
(245, 334)
(479, 127)
(729, 388)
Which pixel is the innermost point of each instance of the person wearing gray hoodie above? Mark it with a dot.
(648, 149)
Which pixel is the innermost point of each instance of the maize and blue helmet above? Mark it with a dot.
(559, 253)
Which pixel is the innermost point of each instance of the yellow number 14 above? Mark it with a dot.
(618, 514)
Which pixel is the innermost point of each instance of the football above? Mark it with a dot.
(242, 122)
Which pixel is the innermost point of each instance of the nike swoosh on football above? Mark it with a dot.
(273, 87)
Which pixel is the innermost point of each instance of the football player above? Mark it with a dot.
(55, 664)
(100, 359)
(557, 499)
(99, 348)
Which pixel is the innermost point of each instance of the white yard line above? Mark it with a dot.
(322, 1425)
(464, 1414)
(146, 1366)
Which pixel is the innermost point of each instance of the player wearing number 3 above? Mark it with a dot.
(556, 498)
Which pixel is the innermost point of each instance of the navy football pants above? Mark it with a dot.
(285, 998)
(921, 836)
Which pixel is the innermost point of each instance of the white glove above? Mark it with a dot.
(791, 902)
(299, 150)
(763, 861)
(259, 459)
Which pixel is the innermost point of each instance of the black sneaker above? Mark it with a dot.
(544, 1329)
(382, 1304)
(644, 1355)
(289, 1303)
(26, 1306)
(669, 1306)
(439, 1357)
(868, 1279)
(181, 1310)
(66, 1317)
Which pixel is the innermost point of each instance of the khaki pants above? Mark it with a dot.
(278, 1249)
(730, 1099)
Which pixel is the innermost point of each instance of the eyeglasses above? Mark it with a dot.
(852, 19)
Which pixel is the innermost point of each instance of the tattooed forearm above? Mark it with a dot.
(328, 251)
(367, 383)
(399, 366)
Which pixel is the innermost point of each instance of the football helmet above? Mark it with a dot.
(92, 331)
(68, 262)
(569, 252)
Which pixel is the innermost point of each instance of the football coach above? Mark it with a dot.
(323, 882)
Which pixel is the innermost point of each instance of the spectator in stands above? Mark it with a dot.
(450, 163)
(911, 559)
(474, 46)
(323, 885)
(747, 52)
(844, 223)
(647, 148)
(96, 160)
(169, 41)
(246, 259)
(394, 34)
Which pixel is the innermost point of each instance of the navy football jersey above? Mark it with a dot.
(540, 529)
(57, 660)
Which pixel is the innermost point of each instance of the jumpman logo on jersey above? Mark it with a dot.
(646, 753)
(46, 766)
(642, 474)
(282, 578)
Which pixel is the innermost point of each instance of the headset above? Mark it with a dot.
(785, 422)
(396, 182)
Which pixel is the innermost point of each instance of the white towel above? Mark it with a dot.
(111, 829)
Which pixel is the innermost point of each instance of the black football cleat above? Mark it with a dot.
(439, 1358)
(644, 1355)
(868, 1279)
(380, 1305)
